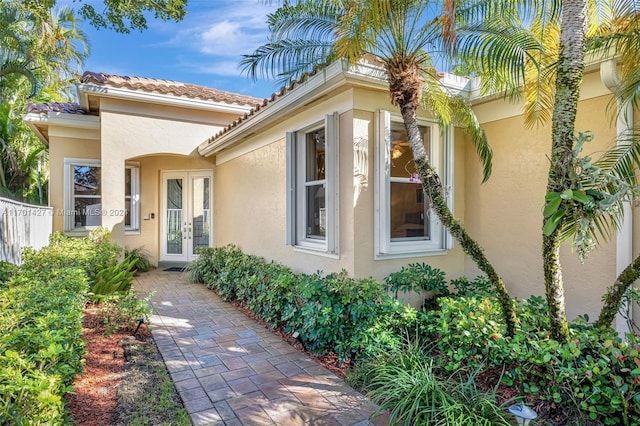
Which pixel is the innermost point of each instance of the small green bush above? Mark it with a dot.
(406, 383)
(140, 257)
(91, 254)
(122, 311)
(112, 279)
(41, 306)
(331, 313)
(417, 277)
(6, 271)
(41, 346)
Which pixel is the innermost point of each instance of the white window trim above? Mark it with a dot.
(134, 228)
(295, 176)
(442, 150)
(69, 226)
(69, 205)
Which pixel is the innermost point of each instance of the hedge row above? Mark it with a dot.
(41, 346)
(331, 312)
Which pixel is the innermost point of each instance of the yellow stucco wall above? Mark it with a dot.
(250, 184)
(505, 214)
(59, 149)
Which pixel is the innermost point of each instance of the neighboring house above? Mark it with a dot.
(318, 177)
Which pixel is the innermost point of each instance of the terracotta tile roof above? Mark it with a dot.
(168, 87)
(66, 107)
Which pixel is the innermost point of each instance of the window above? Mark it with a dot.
(83, 201)
(311, 187)
(405, 225)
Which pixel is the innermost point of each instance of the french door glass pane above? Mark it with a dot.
(201, 213)
(174, 216)
(316, 212)
(409, 212)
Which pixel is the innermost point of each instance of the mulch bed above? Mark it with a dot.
(96, 391)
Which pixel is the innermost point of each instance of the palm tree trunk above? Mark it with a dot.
(569, 78)
(432, 187)
(613, 298)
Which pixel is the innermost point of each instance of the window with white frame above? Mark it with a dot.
(405, 224)
(83, 198)
(311, 187)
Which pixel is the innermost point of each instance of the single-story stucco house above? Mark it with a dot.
(318, 177)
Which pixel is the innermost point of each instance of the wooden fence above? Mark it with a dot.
(22, 225)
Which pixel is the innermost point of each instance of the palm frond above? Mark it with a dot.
(287, 60)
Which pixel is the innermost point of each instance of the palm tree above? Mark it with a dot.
(584, 197)
(48, 49)
(404, 36)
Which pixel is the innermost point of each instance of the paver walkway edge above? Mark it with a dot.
(230, 370)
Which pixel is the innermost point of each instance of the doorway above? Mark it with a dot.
(186, 214)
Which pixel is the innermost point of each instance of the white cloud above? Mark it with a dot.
(227, 29)
(228, 39)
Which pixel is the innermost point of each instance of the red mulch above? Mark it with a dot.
(95, 397)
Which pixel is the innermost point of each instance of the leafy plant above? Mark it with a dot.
(6, 271)
(122, 311)
(464, 287)
(406, 384)
(112, 279)
(417, 277)
(141, 259)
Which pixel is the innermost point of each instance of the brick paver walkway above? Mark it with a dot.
(230, 370)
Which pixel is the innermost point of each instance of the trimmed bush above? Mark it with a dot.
(41, 346)
(331, 312)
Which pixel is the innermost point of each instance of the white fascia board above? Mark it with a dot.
(64, 120)
(74, 121)
(338, 73)
(84, 90)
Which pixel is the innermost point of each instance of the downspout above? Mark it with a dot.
(624, 241)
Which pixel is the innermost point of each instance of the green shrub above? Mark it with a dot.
(112, 279)
(41, 346)
(596, 375)
(331, 313)
(140, 257)
(405, 382)
(122, 311)
(417, 277)
(479, 285)
(91, 254)
(6, 271)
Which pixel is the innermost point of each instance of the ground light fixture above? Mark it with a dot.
(522, 413)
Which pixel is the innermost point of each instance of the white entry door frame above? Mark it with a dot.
(186, 214)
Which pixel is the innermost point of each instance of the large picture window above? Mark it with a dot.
(405, 224)
(312, 183)
(83, 200)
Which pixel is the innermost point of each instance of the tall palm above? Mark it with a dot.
(15, 58)
(48, 48)
(584, 196)
(404, 36)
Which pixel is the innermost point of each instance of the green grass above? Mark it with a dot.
(148, 395)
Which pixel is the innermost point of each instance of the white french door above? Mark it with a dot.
(186, 214)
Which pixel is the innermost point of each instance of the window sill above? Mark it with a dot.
(405, 255)
(128, 232)
(316, 252)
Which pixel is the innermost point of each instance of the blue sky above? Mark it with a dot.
(205, 48)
